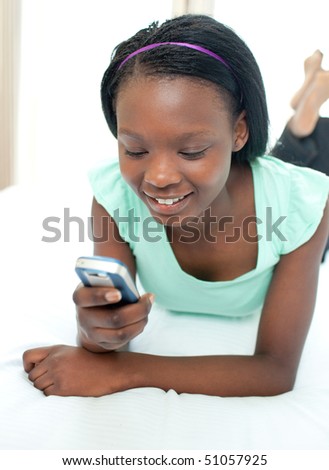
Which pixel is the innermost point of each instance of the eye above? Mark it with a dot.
(136, 154)
(194, 155)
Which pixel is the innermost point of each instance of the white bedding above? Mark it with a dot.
(37, 280)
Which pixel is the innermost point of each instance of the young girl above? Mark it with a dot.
(194, 208)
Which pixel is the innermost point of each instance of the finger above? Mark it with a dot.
(111, 339)
(53, 389)
(114, 317)
(37, 371)
(34, 356)
(95, 296)
(50, 390)
(127, 314)
(43, 382)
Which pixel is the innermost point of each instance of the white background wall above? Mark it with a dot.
(66, 47)
(281, 34)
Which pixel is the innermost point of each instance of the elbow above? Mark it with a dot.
(289, 382)
(282, 386)
(280, 377)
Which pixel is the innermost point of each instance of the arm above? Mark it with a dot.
(283, 328)
(101, 326)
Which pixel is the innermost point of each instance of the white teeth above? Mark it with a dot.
(169, 202)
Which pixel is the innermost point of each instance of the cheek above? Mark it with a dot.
(213, 175)
(131, 171)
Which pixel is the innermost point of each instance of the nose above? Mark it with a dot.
(162, 171)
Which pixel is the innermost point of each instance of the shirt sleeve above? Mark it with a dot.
(113, 193)
(308, 196)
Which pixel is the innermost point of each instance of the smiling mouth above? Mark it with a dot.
(168, 201)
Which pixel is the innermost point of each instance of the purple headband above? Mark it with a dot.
(183, 44)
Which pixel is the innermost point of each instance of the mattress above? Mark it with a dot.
(43, 230)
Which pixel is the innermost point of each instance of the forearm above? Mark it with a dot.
(210, 375)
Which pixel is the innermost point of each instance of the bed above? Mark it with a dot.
(42, 233)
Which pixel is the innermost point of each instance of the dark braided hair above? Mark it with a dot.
(242, 82)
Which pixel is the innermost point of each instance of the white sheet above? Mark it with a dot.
(37, 280)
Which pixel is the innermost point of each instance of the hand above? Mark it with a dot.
(105, 325)
(74, 371)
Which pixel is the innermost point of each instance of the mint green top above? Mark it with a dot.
(289, 204)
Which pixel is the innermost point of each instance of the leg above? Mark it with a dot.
(306, 115)
(305, 140)
(311, 65)
(296, 150)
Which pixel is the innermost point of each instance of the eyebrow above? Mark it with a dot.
(129, 133)
(185, 135)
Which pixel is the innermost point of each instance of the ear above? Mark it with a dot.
(241, 132)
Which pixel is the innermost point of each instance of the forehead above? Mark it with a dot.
(140, 77)
(170, 94)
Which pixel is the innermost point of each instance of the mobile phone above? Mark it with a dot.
(99, 271)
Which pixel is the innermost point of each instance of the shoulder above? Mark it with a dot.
(297, 194)
(117, 198)
(104, 177)
(109, 188)
(293, 181)
(276, 168)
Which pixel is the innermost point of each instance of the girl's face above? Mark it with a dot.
(176, 137)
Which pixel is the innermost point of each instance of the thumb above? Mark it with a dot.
(149, 298)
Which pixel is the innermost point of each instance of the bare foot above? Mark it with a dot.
(306, 116)
(311, 66)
